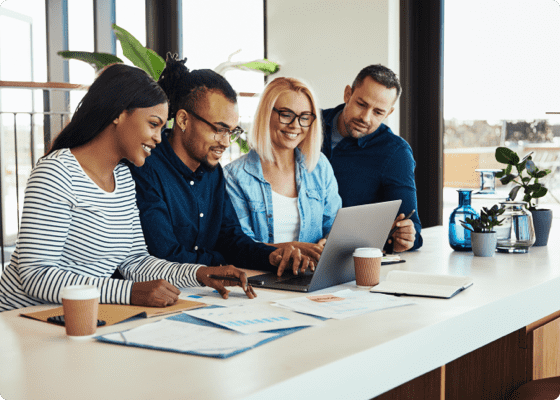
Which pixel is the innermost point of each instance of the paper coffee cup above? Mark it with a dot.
(367, 264)
(80, 304)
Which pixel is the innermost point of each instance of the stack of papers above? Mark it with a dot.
(342, 304)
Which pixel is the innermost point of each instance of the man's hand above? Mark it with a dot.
(202, 275)
(403, 238)
(158, 293)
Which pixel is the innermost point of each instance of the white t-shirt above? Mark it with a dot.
(286, 218)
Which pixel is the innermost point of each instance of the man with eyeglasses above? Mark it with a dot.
(370, 162)
(185, 211)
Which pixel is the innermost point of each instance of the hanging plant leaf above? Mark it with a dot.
(97, 60)
(513, 192)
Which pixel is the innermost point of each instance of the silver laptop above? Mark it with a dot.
(360, 226)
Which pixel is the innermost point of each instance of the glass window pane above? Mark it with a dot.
(501, 76)
(131, 15)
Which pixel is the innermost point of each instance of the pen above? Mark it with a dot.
(396, 228)
(254, 282)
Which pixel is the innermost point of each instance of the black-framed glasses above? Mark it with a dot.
(220, 132)
(287, 117)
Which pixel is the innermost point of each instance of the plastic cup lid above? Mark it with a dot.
(368, 252)
(80, 292)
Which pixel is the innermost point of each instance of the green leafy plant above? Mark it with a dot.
(527, 176)
(153, 63)
(487, 221)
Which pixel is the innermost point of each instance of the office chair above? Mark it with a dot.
(540, 389)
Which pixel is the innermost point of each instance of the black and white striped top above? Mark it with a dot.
(72, 232)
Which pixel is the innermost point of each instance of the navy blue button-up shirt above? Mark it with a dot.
(188, 216)
(374, 168)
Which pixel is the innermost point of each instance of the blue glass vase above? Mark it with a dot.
(459, 237)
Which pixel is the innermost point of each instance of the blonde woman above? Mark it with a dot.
(284, 189)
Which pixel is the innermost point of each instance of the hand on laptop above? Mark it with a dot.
(288, 256)
(403, 238)
(311, 250)
(202, 275)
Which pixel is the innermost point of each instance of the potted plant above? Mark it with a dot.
(483, 237)
(526, 176)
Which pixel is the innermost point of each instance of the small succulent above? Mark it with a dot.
(487, 221)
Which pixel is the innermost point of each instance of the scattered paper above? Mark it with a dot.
(185, 337)
(342, 304)
(254, 318)
(237, 296)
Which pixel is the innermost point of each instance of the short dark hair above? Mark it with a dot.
(184, 88)
(118, 88)
(380, 74)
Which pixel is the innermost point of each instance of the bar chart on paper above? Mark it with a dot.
(254, 318)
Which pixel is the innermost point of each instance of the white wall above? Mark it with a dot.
(327, 42)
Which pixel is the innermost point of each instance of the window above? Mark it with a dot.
(501, 76)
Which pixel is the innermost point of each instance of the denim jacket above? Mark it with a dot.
(251, 195)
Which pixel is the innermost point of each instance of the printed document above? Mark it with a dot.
(254, 318)
(342, 304)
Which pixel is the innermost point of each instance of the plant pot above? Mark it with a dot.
(484, 243)
(542, 220)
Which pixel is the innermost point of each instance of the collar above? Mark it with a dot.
(253, 166)
(329, 116)
(168, 152)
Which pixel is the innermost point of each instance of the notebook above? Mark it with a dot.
(424, 285)
(359, 226)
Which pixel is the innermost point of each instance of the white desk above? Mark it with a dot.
(357, 358)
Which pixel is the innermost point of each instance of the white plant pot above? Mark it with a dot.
(484, 243)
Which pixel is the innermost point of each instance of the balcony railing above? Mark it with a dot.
(31, 115)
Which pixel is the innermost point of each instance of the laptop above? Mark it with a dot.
(359, 226)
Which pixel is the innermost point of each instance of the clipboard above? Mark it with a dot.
(115, 313)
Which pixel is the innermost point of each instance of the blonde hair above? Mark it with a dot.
(259, 137)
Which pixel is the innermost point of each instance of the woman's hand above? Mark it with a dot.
(202, 275)
(298, 255)
(159, 293)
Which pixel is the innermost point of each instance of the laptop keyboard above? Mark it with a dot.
(302, 280)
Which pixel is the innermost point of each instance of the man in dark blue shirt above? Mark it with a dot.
(185, 211)
(370, 162)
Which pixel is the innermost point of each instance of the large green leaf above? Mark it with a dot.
(266, 66)
(506, 156)
(138, 54)
(97, 60)
(158, 63)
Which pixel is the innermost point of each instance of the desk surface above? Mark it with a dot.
(357, 358)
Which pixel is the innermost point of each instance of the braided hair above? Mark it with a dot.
(185, 88)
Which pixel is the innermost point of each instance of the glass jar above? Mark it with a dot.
(516, 234)
(487, 195)
(459, 237)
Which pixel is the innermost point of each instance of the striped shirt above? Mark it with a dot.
(73, 233)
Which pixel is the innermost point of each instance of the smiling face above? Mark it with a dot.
(366, 108)
(198, 144)
(289, 136)
(138, 132)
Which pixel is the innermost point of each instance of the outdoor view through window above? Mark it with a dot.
(501, 77)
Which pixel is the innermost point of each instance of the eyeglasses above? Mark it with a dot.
(287, 117)
(220, 132)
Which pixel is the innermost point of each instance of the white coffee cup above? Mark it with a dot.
(367, 265)
(81, 305)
